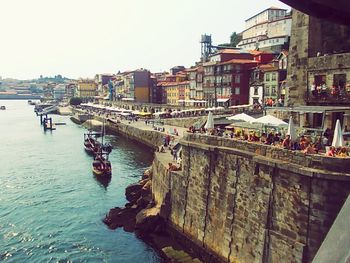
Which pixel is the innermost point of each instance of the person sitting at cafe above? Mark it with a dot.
(270, 139)
(309, 149)
(303, 142)
(253, 137)
(263, 138)
(343, 152)
(286, 142)
(331, 152)
(277, 138)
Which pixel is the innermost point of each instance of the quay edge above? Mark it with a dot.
(252, 205)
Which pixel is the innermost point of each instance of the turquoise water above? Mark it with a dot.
(51, 206)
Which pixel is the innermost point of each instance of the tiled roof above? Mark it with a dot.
(230, 51)
(239, 61)
(173, 83)
(268, 67)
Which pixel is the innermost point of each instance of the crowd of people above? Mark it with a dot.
(324, 92)
(305, 144)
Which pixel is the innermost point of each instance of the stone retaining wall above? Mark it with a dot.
(183, 122)
(249, 203)
(147, 137)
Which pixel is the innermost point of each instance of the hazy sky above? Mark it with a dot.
(79, 38)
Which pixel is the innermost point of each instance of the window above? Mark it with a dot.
(237, 79)
(256, 91)
(320, 80)
(267, 91)
(273, 76)
(273, 91)
(339, 80)
(238, 67)
(267, 77)
(237, 91)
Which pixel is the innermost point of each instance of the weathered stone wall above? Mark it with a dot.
(183, 122)
(297, 59)
(250, 203)
(310, 37)
(147, 137)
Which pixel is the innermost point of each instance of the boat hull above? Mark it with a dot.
(101, 173)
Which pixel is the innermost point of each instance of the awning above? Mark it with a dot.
(128, 99)
(144, 113)
(241, 106)
(222, 100)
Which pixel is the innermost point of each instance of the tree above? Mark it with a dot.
(235, 39)
(75, 101)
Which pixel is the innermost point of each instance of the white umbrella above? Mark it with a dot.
(241, 117)
(338, 139)
(270, 120)
(291, 130)
(210, 121)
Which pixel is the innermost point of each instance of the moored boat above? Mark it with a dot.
(91, 144)
(101, 166)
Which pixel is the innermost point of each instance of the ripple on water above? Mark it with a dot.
(51, 205)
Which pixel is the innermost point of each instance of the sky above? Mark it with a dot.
(80, 38)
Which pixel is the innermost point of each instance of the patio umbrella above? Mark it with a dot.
(210, 121)
(241, 117)
(270, 120)
(291, 130)
(338, 139)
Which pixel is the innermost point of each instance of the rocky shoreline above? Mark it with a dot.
(142, 216)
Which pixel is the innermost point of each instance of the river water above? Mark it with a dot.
(51, 206)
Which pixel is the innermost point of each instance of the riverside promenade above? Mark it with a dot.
(240, 201)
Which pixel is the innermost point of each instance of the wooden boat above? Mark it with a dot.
(101, 166)
(91, 144)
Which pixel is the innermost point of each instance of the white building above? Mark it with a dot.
(268, 30)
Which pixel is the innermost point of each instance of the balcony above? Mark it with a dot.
(327, 98)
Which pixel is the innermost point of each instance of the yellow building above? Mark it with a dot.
(86, 88)
(172, 93)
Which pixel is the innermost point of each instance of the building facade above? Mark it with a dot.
(86, 88)
(268, 30)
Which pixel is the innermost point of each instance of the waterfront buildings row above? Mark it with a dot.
(319, 76)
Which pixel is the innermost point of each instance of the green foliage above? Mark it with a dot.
(75, 101)
(234, 39)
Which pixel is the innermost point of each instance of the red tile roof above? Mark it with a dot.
(268, 67)
(230, 51)
(239, 61)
